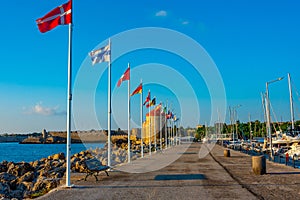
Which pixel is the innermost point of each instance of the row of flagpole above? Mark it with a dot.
(62, 15)
(97, 57)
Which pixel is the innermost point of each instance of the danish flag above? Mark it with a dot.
(61, 15)
(124, 77)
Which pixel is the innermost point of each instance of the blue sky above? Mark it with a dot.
(250, 42)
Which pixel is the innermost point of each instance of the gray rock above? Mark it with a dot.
(59, 156)
(19, 169)
(3, 166)
(6, 177)
(28, 177)
(4, 189)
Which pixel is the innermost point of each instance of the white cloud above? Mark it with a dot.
(185, 22)
(46, 111)
(161, 13)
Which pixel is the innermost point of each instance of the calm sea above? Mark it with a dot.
(30, 152)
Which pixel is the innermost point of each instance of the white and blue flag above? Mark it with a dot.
(100, 55)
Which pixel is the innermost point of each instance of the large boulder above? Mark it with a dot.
(4, 190)
(28, 177)
(19, 169)
(36, 163)
(45, 185)
(6, 177)
(3, 166)
(59, 156)
(56, 173)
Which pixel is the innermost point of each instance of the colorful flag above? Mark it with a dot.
(148, 98)
(138, 90)
(124, 77)
(169, 115)
(158, 107)
(164, 110)
(100, 55)
(61, 15)
(176, 118)
(152, 103)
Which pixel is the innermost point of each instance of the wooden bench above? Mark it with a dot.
(94, 167)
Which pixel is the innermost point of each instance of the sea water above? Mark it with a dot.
(16, 152)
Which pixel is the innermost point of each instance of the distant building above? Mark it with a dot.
(44, 134)
(190, 132)
(199, 126)
(136, 132)
(156, 120)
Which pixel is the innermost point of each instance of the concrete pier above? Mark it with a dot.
(189, 177)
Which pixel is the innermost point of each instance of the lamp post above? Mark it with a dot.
(268, 113)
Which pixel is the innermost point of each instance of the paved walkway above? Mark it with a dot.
(190, 177)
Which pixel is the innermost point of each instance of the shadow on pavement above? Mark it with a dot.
(179, 177)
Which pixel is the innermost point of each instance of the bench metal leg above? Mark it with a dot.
(95, 174)
(96, 177)
(86, 177)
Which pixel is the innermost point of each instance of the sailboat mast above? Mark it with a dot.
(250, 132)
(291, 102)
(264, 108)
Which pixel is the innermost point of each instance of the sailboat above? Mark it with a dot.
(291, 137)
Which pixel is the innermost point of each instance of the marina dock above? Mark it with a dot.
(189, 177)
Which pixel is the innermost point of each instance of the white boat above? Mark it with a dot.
(294, 151)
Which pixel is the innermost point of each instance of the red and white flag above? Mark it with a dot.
(148, 98)
(61, 15)
(124, 77)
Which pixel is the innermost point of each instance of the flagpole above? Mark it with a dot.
(166, 125)
(171, 135)
(150, 145)
(160, 128)
(142, 144)
(69, 103)
(175, 130)
(109, 109)
(128, 118)
(154, 128)
(172, 131)
(166, 135)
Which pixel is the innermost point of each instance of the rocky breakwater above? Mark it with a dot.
(29, 180)
(118, 156)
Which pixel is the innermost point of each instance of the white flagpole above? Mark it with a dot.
(128, 118)
(154, 127)
(160, 128)
(175, 129)
(171, 135)
(172, 131)
(150, 145)
(142, 144)
(166, 135)
(109, 109)
(69, 103)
